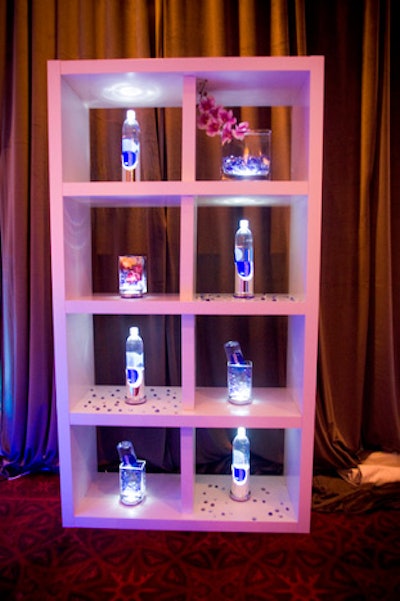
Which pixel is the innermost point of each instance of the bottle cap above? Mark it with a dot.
(244, 224)
(134, 331)
(241, 432)
(131, 116)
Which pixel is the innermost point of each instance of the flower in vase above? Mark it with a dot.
(216, 120)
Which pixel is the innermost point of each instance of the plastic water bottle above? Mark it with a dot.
(135, 393)
(130, 145)
(127, 455)
(244, 261)
(240, 487)
(233, 352)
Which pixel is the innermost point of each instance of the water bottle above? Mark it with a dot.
(130, 145)
(127, 455)
(233, 352)
(135, 393)
(244, 262)
(240, 489)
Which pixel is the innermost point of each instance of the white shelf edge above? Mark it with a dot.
(189, 65)
(105, 406)
(207, 193)
(202, 304)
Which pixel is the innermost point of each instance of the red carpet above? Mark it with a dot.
(347, 556)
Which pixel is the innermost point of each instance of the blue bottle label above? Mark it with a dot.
(244, 262)
(134, 376)
(239, 474)
(243, 269)
(129, 159)
(243, 254)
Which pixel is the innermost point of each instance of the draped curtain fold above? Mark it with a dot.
(358, 366)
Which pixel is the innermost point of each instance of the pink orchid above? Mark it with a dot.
(226, 134)
(213, 128)
(203, 120)
(226, 117)
(206, 103)
(241, 130)
(217, 120)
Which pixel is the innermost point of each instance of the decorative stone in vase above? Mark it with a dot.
(249, 158)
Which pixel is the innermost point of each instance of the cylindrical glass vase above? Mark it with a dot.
(132, 276)
(132, 482)
(240, 377)
(249, 158)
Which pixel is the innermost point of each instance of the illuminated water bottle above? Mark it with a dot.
(130, 143)
(244, 261)
(240, 487)
(135, 392)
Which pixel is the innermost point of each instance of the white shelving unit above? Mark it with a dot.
(184, 500)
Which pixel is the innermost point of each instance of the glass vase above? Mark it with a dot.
(249, 158)
(132, 482)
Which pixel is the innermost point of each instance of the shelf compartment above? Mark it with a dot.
(268, 509)
(159, 82)
(281, 257)
(100, 506)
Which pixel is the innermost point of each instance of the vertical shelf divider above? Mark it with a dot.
(188, 244)
(189, 129)
(188, 468)
(187, 290)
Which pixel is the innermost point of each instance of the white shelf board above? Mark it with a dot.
(270, 408)
(260, 304)
(202, 304)
(106, 406)
(269, 508)
(170, 193)
(113, 304)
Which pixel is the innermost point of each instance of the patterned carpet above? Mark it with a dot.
(347, 556)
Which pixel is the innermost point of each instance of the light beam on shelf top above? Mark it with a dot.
(130, 93)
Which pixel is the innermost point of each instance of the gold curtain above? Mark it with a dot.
(358, 399)
(358, 406)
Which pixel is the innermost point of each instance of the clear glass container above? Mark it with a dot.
(132, 482)
(132, 276)
(249, 158)
(240, 377)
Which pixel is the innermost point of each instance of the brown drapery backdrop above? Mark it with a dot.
(358, 397)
